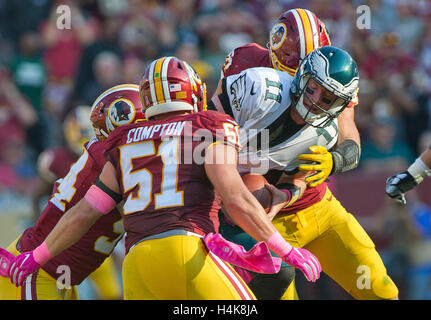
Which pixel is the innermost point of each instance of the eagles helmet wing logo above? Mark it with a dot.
(238, 92)
(320, 65)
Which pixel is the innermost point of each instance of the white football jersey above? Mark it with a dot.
(258, 99)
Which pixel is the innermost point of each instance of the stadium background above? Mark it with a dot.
(46, 72)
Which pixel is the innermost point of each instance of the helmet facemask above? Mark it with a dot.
(311, 112)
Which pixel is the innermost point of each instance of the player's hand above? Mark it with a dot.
(323, 165)
(398, 184)
(6, 260)
(305, 261)
(279, 201)
(22, 267)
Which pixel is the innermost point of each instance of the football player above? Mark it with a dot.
(295, 34)
(298, 113)
(169, 199)
(52, 165)
(402, 182)
(59, 277)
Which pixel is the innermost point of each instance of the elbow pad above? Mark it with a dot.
(345, 157)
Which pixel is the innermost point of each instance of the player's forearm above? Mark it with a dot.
(248, 214)
(348, 150)
(71, 227)
(242, 206)
(426, 157)
(347, 129)
(421, 169)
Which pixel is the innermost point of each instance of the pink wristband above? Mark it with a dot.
(277, 244)
(41, 254)
(99, 200)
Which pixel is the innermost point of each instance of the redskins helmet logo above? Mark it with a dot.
(121, 112)
(278, 34)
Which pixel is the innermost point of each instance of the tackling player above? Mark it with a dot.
(114, 107)
(169, 202)
(297, 113)
(52, 165)
(402, 182)
(295, 34)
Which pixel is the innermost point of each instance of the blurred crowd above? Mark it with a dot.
(47, 70)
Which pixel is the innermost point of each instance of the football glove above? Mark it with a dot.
(398, 184)
(323, 164)
(6, 259)
(305, 261)
(22, 267)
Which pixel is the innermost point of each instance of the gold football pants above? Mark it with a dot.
(345, 251)
(106, 282)
(38, 286)
(179, 267)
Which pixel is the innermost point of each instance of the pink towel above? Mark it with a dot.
(257, 259)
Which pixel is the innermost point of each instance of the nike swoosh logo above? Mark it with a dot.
(25, 259)
(252, 92)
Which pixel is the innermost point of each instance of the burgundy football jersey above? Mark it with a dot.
(250, 56)
(160, 167)
(86, 255)
(244, 57)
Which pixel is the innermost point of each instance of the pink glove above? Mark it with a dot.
(22, 267)
(6, 259)
(27, 263)
(305, 261)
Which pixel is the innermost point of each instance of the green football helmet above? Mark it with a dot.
(336, 71)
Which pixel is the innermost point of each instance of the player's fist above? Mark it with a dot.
(322, 163)
(6, 260)
(398, 184)
(22, 267)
